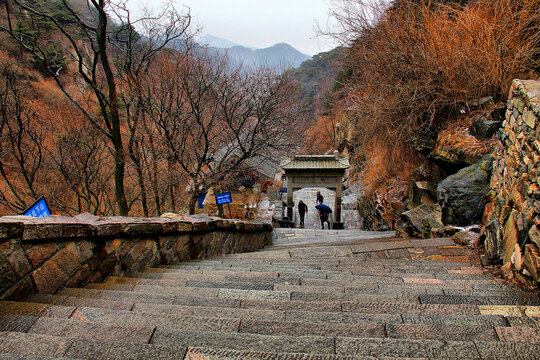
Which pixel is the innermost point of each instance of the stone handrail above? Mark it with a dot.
(45, 255)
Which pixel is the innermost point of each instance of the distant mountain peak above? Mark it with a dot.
(277, 56)
(218, 42)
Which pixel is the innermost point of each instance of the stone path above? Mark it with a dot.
(342, 295)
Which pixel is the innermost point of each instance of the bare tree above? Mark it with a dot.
(99, 40)
(213, 118)
(21, 136)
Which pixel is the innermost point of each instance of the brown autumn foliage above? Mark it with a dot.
(163, 124)
(416, 65)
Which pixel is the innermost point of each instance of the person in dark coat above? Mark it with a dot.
(324, 219)
(302, 210)
(320, 198)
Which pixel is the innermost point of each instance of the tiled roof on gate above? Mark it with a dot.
(327, 162)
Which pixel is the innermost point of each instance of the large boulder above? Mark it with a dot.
(463, 196)
(488, 124)
(420, 221)
(484, 128)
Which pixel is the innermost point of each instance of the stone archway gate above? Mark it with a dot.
(316, 171)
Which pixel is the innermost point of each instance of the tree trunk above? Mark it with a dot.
(113, 113)
(192, 202)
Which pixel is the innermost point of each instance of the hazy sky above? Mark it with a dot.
(260, 23)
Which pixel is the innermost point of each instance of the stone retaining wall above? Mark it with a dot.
(45, 255)
(511, 224)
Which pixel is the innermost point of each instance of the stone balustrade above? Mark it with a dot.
(45, 255)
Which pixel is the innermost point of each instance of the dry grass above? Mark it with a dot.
(417, 66)
(459, 140)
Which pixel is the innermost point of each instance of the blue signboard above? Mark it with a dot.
(38, 209)
(224, 198)
(200, 200)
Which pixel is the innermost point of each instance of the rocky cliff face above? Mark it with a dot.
(511, 224)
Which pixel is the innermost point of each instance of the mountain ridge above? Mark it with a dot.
(280, 55)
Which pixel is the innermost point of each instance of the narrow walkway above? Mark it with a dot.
(352, 298)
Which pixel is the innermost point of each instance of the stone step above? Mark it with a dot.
(227, 354)
(168, 320)
(74, 328)
(322, 297)
(17, 346)
(209, 312)
(35, 309)
(78, 302)
(480, 300)
(435, 349)
(141, 294)
(34, 344)
(236, 341)
(46, 346)
(363, 328)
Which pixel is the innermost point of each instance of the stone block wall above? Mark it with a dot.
(45, 255)
(511, 223)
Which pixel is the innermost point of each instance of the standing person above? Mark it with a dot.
(302, 210)
(320, 198)
(324, 219)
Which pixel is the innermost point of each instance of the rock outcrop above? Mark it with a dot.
(462, 196)
(420, 221)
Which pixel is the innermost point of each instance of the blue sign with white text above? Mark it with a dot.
(38, 209)
(224, 198)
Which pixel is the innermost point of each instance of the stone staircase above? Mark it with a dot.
(354, 297)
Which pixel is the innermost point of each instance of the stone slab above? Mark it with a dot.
(264, 343)
(109, 286)
(314, 252)
(113, 351)
(291, 328)
(98, 303)
(409, 308)
(72, 328)
(34, 309)
(352, 279)
(254, 294)
(144, 352)
(146, 296)
(441, 332)
(170, 321)
(16, 323)
(504, 350)
(229, 285)
(90, 350)
(354, 297)
(199, 353)
(397, 348)
(218, 313)
(381, 246)
(478, 300)
(341, 317)
(207, 302)
(422, 243)
(46, 299)
(308, 288)
(518, 334)
(171, 292)
(328, 306)
(503, 310)
(33, 344)
(467, 320)
(523, 322)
